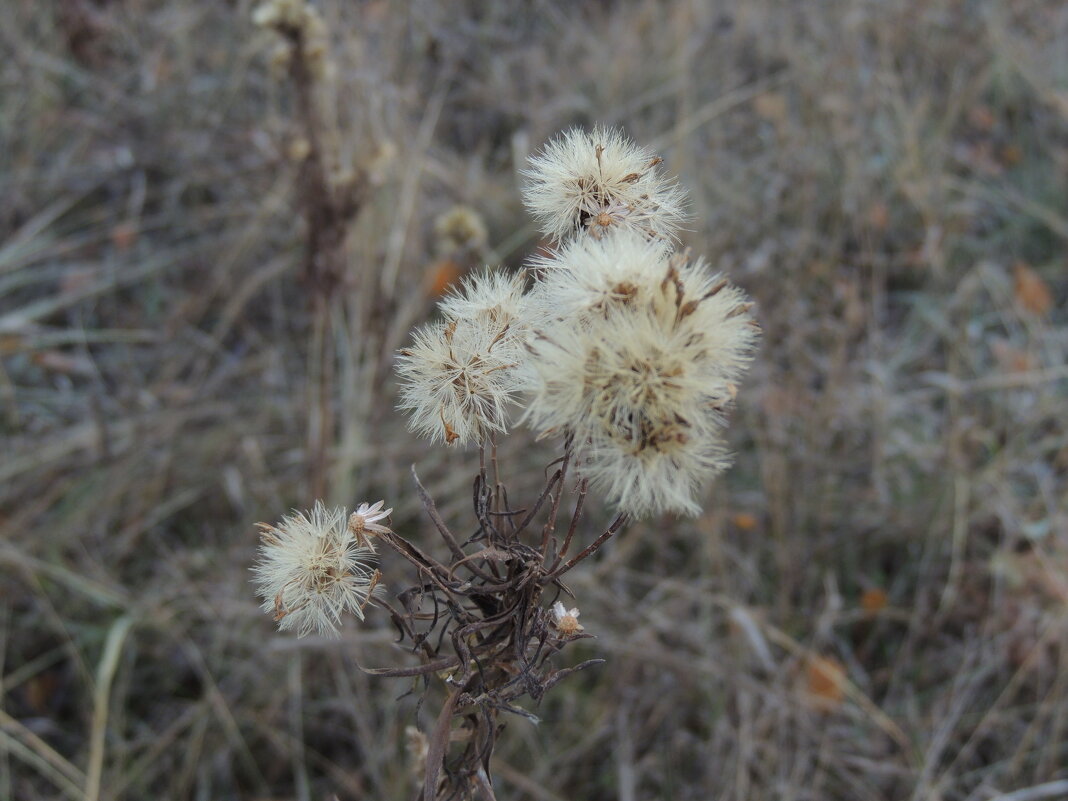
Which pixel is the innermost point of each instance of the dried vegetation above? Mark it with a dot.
(876, 606)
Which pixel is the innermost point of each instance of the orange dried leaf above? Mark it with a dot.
(825, 681)
(1032, 293)
(873, 600)
(745, 521)
(442, 275)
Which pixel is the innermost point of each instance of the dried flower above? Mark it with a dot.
(458, 229)
(280, 14)
(566, 620)
(601, 182)
(312, 568)
(643, 379)
(299, 22)
(460, 374)
(363, 523)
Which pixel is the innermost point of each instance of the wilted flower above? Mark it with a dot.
(643, 378)
(363, 523)
(601, 182)
(566, 620)
(313, 568)
(460, 374)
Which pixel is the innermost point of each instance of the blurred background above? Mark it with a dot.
(874, 605)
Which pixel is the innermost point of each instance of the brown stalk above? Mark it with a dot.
(491, 629)
(328, 208)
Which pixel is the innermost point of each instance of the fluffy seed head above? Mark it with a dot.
(588, 275)
(495, 295)
(643, 379)
(461, 373)
(600, 182)
(312, 568)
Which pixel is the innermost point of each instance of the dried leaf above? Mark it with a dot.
(825, 682)
(745, 521)
(1011, 359)
(441, 276)
(58, 362)
(1032, 293)
(873, 600)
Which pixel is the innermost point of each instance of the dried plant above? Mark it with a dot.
(329, 202)
(624, 350)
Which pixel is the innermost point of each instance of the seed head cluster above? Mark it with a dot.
(631, 348)
(642, 374)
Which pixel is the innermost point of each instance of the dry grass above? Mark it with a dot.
(875, 605)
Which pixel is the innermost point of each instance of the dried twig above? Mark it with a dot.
(498, 639)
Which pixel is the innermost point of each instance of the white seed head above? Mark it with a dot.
(495, 295)
(600, 182)
(643, 380)
(460, 375)
(312, 568)
(588, 275)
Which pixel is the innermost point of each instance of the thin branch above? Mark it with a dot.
(621, 518)
(435, 517)
(444, 663)
(583, 485)
(550, 525)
